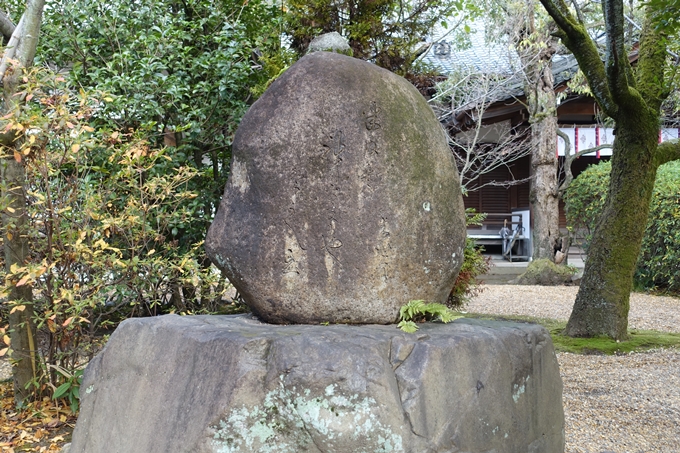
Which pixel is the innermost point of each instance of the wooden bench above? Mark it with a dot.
(509, 230)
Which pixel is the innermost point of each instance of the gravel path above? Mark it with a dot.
(613, 404)
(646, 312)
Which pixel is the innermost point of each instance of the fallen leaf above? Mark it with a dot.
(53, 424)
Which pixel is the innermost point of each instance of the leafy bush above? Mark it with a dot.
(183, 72)
(102, 211)
(657, 266)
(584, 199)
(474, 265)
(659, 262)
(116, 219)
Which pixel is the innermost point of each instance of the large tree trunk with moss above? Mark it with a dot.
(602, 303)
(633, 99)
(14, 221)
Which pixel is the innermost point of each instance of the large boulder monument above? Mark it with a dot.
(343, 201)
(342, 205)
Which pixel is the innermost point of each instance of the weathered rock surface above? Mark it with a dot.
(330, 42)
(343, 201)
(232, 384)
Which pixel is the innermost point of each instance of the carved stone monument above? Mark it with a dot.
(343, 201)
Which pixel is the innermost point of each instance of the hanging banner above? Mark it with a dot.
(668, 134)
(570, 132)
(586, 139)
(581, 138)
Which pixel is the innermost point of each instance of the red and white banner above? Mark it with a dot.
(581, 138)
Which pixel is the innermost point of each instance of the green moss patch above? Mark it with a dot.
(545, 272)
(638, 340)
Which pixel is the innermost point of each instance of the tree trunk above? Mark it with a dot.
(17, 252)
(602, 302)
(543, 196)
(15, 221)
(16, 249)
(6, 27)
(633, 100)
(537, 49)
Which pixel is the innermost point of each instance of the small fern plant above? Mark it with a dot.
(421, 311)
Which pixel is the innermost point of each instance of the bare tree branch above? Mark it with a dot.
(479, 149)
(11, 48)
(6, 26)
(569, 159)
(579, 13)
(28, 45)
(618, 68)
(576, 38)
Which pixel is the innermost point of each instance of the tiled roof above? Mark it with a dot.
(481, 56)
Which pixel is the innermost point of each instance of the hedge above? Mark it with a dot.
(658, 265)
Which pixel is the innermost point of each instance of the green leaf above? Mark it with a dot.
(61, 390)
(408, 326)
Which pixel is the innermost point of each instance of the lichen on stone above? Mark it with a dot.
(289, 421)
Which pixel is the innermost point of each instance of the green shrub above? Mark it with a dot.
(659, 262)
(584, 199)
(103, 212)
(474, 265)
(657, 266)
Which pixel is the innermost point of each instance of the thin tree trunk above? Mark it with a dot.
(6, 26)
(16, 250)
(542, 107)
(602, 302)
(543, 196)
(22, 332)
(15, 222)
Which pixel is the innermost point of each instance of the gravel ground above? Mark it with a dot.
(613, 404)
(646, 312)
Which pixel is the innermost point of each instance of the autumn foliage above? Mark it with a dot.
(106, 210)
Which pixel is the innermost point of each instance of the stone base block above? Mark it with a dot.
(233, 384)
